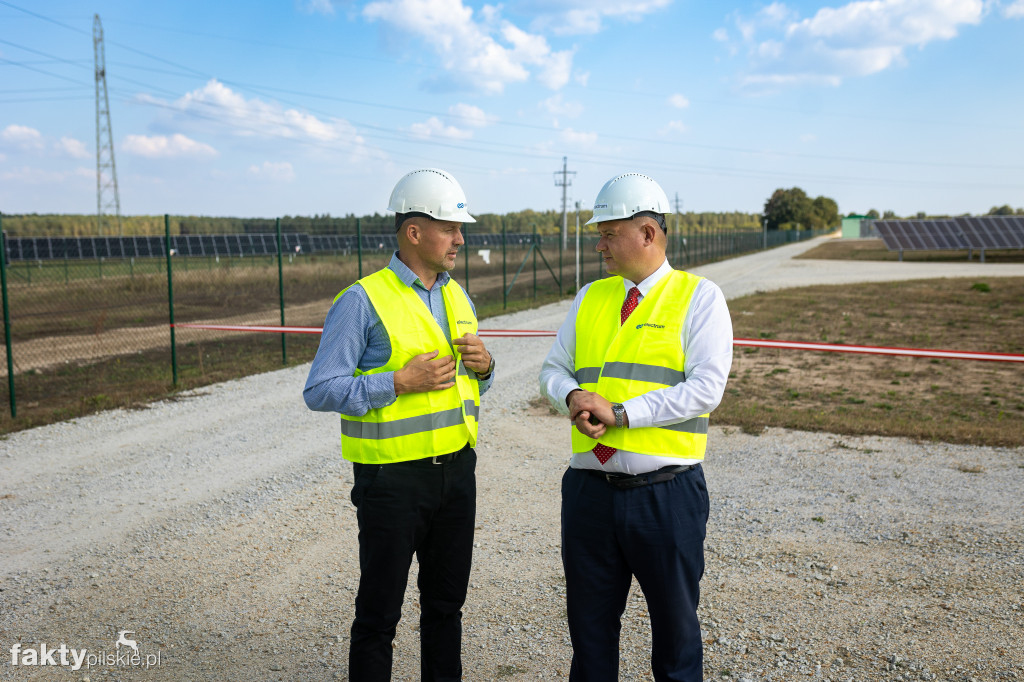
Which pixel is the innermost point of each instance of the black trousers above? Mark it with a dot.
(422, 508)
(656, 533)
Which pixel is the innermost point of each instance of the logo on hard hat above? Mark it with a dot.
(597, 206)
(460, 205)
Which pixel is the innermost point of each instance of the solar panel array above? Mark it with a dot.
(960, 234)
(993, 232)
(920, 235)
(211, 245)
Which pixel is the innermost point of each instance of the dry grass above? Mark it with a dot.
(958, 401)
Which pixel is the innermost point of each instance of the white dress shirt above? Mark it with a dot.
(707, 343)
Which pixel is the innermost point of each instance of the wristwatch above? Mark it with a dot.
(620, 415)
(487, 374)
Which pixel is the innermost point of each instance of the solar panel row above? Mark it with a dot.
(964, 233)
(234, 245)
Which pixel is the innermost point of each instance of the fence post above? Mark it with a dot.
(170, 297)
(561, 280)
(504, 252)
(534, 261)
(7, 321)
(359, 247)
(280, 291)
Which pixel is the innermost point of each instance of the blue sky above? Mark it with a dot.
(319, 106)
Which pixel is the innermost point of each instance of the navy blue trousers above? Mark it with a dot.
(403, 509)
(654, 532)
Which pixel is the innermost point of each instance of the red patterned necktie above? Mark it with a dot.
(603, 452)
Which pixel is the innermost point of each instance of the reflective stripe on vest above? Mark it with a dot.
(643, 355)
(416, 425)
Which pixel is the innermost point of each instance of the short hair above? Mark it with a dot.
(656, 217)
(402, 217)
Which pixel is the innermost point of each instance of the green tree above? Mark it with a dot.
(873, 214)
(889, 215)
(792, 207)
(1005, 209)
(786, 206)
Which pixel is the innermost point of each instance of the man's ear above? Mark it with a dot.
(650, 229)
(412, 231)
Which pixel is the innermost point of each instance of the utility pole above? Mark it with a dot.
(564, 184)
(106, 183)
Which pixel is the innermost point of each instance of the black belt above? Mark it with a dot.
(446, 459)
(450, 457)
(626, 481)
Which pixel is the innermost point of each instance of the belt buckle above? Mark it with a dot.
(434, 459)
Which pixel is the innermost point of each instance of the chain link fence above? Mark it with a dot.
(93, 323)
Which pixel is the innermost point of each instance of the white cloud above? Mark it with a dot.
(678, 101)
(674, 127)
(164, 147)
(470, 50)
(461, 117)
(25, 139)
(721, 35)
(470, 115)
(316, 7)
(1015, 10)
(808, 137)
(576, 17)
(277, 172)
(69, 146)
(217, 109)
(582, 78)
(856, 39)
(579, 138)
(22, 137)
(433, 127)
(557, 105)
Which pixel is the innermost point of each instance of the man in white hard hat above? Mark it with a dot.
(639, 362)
(400, 361)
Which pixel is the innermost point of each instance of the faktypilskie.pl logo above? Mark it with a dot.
(64, 656)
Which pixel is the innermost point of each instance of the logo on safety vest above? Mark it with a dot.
(651, 325)
(464, 322)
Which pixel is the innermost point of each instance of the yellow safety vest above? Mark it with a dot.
(416, 425)
(620, 362)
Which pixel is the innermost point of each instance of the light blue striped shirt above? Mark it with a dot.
(354, 337)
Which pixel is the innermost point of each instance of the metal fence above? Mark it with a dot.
(97, 322)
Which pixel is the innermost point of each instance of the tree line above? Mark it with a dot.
(545, 222)
(786, 209)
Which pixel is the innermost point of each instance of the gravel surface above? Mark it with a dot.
(217, 530)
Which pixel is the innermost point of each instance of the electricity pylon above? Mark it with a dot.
(564, 184)
(107, 196)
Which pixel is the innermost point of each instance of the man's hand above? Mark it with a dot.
(425, 372)
(586, 407)
(474, 355)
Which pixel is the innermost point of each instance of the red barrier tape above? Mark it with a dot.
(760, 343)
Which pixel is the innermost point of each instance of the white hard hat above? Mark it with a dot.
(433, 192)
(626, 195)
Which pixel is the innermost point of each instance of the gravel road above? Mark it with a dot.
(216, 529)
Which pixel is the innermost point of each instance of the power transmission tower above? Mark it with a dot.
(107, 196)
(564, 184)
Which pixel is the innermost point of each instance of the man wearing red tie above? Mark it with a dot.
(639, 363)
